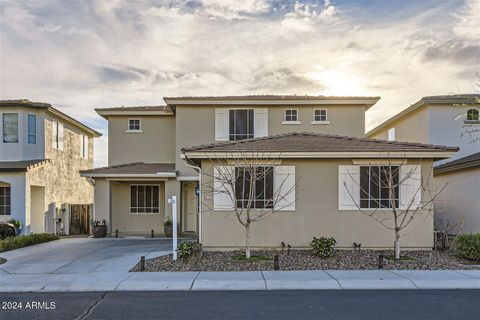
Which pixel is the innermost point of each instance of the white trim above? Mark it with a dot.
(280, 102)
(350, 155)
(285, 121)
(139, 124)
(130, 198)
(135, 113)
(188, 178)
(320, 122)
(134, 131)
(113, 175)
(291, 122)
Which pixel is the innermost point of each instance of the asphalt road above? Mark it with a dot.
(332, 304)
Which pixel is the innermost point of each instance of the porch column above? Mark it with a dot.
(172, 188)
(102, 202)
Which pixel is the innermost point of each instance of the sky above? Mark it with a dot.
(78, 55)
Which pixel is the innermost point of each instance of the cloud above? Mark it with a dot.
(79, 55)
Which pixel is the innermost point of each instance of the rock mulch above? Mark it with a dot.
(305, 260)
(2, 261)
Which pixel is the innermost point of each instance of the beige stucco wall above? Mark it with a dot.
(316, 214)
(459, 200)
(195, 125)
(414, 127)
(128, 223)
(156, 143)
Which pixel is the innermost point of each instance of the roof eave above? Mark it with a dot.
(106, 113)
(73, 121)
(129, 175)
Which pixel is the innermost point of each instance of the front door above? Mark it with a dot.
(79, 219)
(190, 207)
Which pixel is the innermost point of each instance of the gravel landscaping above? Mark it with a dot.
(305, 260)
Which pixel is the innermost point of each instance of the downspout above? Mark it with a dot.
(197, 168)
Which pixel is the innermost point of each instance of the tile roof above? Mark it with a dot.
(137, 108)
(20, 166)
(137, 168)
(472, 160)
(313, 142)
(272, 97)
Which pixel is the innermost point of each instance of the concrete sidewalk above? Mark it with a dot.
(256, 280)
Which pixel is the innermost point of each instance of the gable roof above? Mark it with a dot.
(48, 107)
(21, 166)
(445, 99)
(136, 169)
(138, 110)
(305, 145)
(270, 100)
(469, 161)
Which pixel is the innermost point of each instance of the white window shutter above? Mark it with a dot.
(411, 187)
(223, 193)
(284, 188)
(261, 122)
(221, 124)
(60, 136)
(348, 187)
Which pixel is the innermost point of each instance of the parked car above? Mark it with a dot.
(7, 230)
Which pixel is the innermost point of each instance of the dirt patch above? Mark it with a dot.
(305, 260)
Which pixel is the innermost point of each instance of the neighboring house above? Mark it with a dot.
(154, 153)
(41, 152)
(445, 120)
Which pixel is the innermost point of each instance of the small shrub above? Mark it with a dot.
(16, 223)
(25, 241)
(468, 246)
(98, 223)
(323, 247)
(186, 249)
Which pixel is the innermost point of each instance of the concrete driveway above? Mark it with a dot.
(83, 255)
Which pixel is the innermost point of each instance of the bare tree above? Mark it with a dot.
(394, 211)
(246, 181)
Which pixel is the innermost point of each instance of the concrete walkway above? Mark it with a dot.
(268, 280)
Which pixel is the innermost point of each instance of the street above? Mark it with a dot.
(328, 304)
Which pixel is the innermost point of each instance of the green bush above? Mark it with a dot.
(468, 246)
(323, 247)
(16, 223)
(25, 241)
(187, 248)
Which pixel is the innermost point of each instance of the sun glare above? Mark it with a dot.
(339, 83)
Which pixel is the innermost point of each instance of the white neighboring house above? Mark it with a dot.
(446, 120)
(41, 152)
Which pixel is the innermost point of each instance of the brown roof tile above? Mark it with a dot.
(20, 166)
(132, 168)
(271, 97)
(468, 161)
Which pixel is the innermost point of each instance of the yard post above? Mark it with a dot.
(173, 202)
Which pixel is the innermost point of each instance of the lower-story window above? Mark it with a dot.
(144, 199)
(379, 187)
(254, 187)
(5, 201)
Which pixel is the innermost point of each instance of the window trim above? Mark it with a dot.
(130, 198)
(29, 134)
(379, 199)
(248, 122)
(3, 127)
(5, 205)
(472, 121)
(285, 121)
(320, 121)
(264, 199)
(139, 130)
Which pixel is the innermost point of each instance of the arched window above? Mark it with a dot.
(472, 115)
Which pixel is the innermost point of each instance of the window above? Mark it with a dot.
(84, 146)
(57, 135)
(376, 182)
(5, 206)
(144, 199)
(32, 129)
(472, 115)
(134, 125)
(241, 124)
(262, 187)
(391, 134)
(291, 116)
(10, 127)
(320, 115)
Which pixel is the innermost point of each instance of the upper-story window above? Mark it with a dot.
(472, 115)
(320, 116)
(391, 134)
(290, 116)
(32, 129)
(134, 125)
(10, 127)
(241, 124)
(84, 146)
(57, 135)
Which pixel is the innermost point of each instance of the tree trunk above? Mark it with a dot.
(397, 245)
(247, 241)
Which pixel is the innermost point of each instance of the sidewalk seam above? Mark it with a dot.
(466, 274)
(414, 284)
(194, 279)
(264, 280)
(334, 279)
(121, 281)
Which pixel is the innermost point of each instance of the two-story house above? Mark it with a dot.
(447, 120)
(41, 152)
(156, 152)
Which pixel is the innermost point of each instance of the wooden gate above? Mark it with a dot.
(79, 219)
